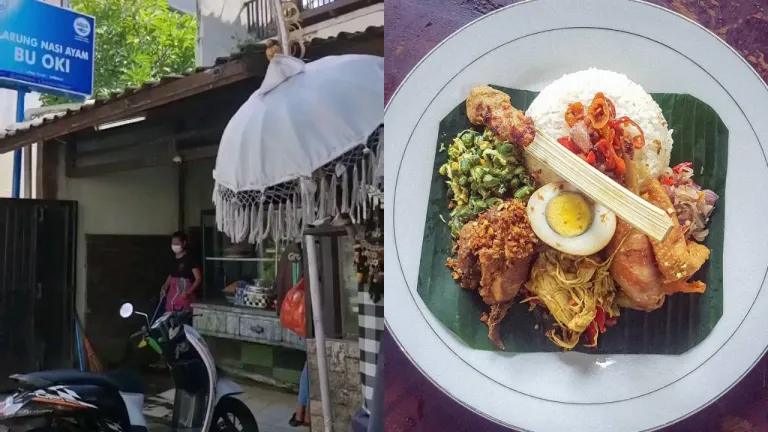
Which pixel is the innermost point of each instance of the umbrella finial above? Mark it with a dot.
(273, 49)
(289, 31)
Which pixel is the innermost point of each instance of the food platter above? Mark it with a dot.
(527, 46)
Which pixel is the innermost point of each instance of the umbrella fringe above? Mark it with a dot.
(352, 185)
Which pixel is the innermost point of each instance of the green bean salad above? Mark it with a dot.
(481, 171)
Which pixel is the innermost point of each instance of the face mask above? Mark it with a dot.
(176, 248)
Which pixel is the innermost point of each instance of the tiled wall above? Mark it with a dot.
(277, 363)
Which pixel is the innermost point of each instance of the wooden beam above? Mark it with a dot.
(115, 167)
(69, 158)
(141, 100)
(197, 153)
(182, 191)
(155, 159)
(39, 170)
(48, 166)
(163, 139)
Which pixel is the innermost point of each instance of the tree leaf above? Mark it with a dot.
(136, 41)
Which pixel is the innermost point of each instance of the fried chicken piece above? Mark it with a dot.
(634, 269)
(699, 254)
(501, 279)
(465, 267)
(498, 312)
(494, 255)
(677, 258)
(697, 287)
(647, 270)
(672, 253)
(492, 108)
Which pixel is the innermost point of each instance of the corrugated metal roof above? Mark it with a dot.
(248, 50)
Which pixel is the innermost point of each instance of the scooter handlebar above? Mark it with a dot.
(139, 333)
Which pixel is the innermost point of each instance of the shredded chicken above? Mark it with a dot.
(578, 291)
(492, 108)
(494, 254)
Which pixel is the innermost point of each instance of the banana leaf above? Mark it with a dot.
(680, 324)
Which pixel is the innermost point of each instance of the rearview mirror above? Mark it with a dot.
(126, 310)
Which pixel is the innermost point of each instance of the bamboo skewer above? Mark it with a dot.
(649, 219)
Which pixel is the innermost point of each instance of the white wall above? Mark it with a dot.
(8, 117)
(198, 190)
(220, 25)
(185, 6)
(132, 202)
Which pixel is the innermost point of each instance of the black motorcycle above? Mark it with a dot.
(70, 400)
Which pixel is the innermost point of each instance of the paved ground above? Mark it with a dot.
(271, 407)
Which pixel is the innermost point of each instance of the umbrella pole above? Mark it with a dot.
(317, 319)
(282, 31)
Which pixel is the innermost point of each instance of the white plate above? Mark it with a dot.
(527, 46)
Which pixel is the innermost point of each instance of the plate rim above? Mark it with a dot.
(746, 371)
(411, 292)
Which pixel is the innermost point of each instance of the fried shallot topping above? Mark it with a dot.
(494, 256)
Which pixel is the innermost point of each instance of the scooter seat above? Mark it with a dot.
(119, 380)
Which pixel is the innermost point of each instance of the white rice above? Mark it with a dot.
(548, 113)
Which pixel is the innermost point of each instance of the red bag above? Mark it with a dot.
(293, 314)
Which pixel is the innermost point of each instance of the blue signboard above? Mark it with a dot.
(46, 48)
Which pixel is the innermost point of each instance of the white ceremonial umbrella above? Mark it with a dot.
(304, 116)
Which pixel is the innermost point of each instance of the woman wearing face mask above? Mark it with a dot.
(184, 279)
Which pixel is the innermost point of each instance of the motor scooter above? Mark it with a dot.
(71, 400)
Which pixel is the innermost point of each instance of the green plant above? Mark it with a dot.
(136, 41)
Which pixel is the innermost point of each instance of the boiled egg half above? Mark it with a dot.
(564, 218)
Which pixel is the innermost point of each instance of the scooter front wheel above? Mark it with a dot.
(232, 415)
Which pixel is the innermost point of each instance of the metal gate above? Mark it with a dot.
(37, 284)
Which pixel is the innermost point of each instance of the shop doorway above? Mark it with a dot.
(119, 269)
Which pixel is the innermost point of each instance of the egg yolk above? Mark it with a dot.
(569, 214)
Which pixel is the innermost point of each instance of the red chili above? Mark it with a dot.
(621, 167)
(600, 319)
(608, 152)
(669, 181)
(569, 144)
(640, 143)
(599, 111)
(574, 114)
(590, 158)
(617, 140)
(619, 121)
(679, 167)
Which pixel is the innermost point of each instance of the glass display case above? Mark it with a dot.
(226, 263)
